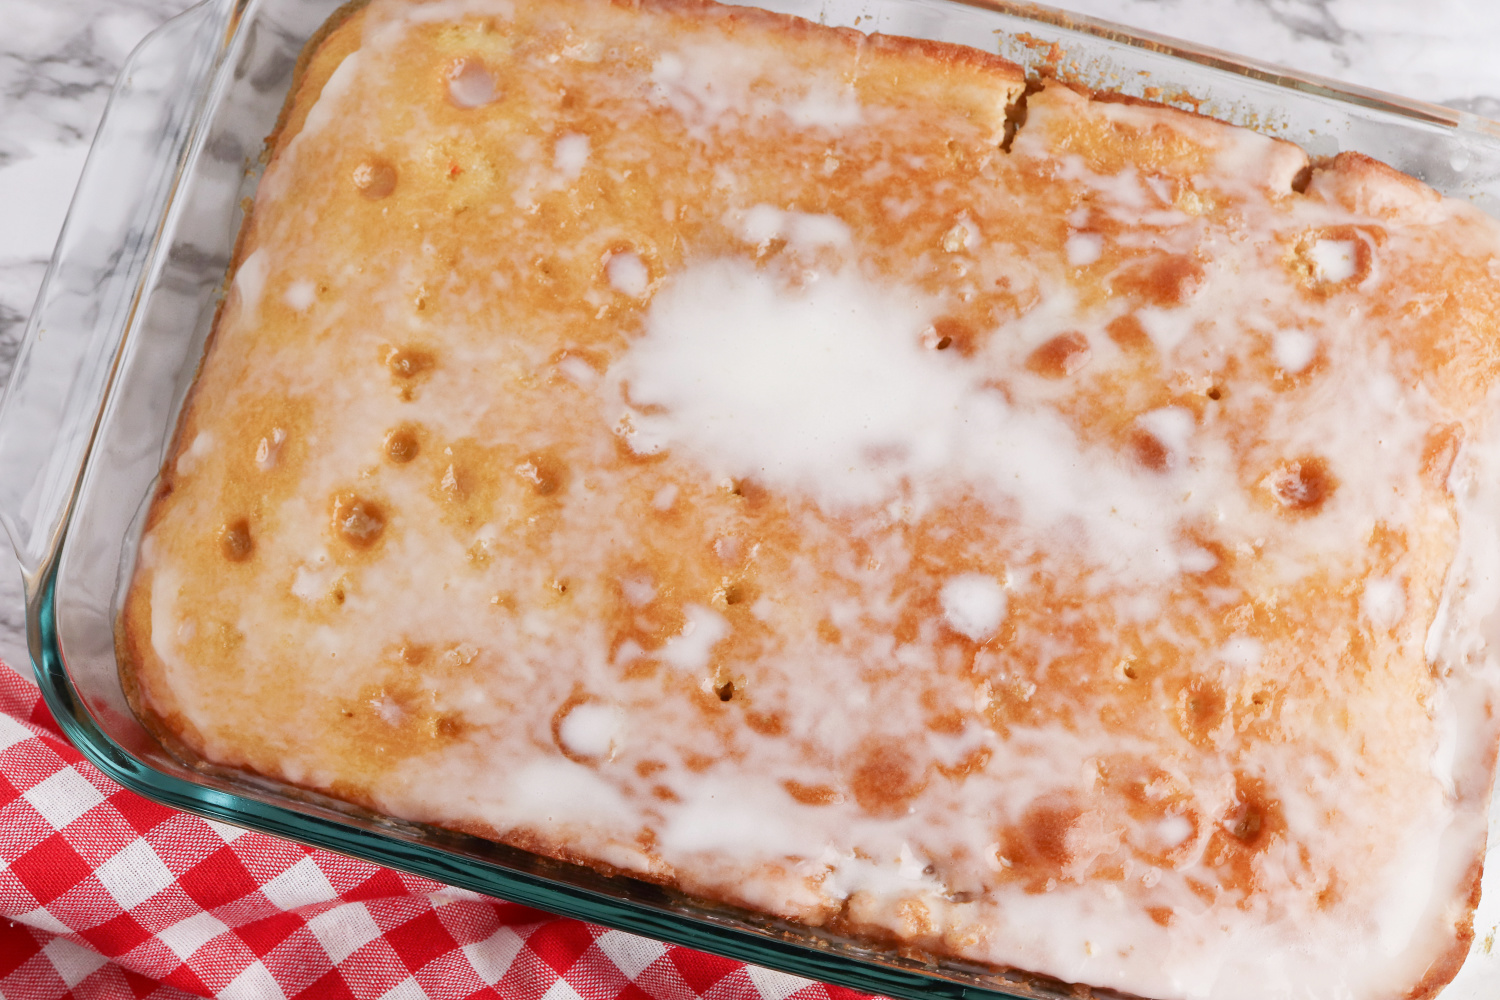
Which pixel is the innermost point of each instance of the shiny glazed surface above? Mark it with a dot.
(1081, 623)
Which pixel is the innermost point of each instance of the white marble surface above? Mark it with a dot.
(59, 58)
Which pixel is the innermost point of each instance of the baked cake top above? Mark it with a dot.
(729, 450)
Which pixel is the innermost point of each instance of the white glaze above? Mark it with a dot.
(1333, 260)
(1083, 249)
(974, 605)
(1383, 603)
(627, 274)
(763, 223)
(201, 447)
(570, 155)
(1294, 350)
(301, 295)
(592, 730)
(691, 649)
(711, 85)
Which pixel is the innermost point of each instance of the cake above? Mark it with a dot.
(834, 476)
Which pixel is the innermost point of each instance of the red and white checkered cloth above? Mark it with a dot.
(108, 895)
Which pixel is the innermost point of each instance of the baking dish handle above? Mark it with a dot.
(88, 298)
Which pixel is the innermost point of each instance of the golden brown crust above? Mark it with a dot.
(1441, 972)
(308, 78)
(1363, 184)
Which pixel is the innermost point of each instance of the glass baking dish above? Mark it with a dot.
(131, 295)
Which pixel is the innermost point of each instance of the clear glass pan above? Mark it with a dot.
(131, 294)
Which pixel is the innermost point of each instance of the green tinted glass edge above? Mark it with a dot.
(491, 880)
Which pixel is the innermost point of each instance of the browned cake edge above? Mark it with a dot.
(1447, 965)
(325, 50)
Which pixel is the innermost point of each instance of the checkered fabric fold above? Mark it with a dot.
(109, 895)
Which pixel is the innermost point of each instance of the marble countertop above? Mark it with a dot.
(59, 59)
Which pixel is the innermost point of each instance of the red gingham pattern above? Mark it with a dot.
(108, 896)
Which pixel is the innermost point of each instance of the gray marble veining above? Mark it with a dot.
(58, 61)
(1433, 51)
